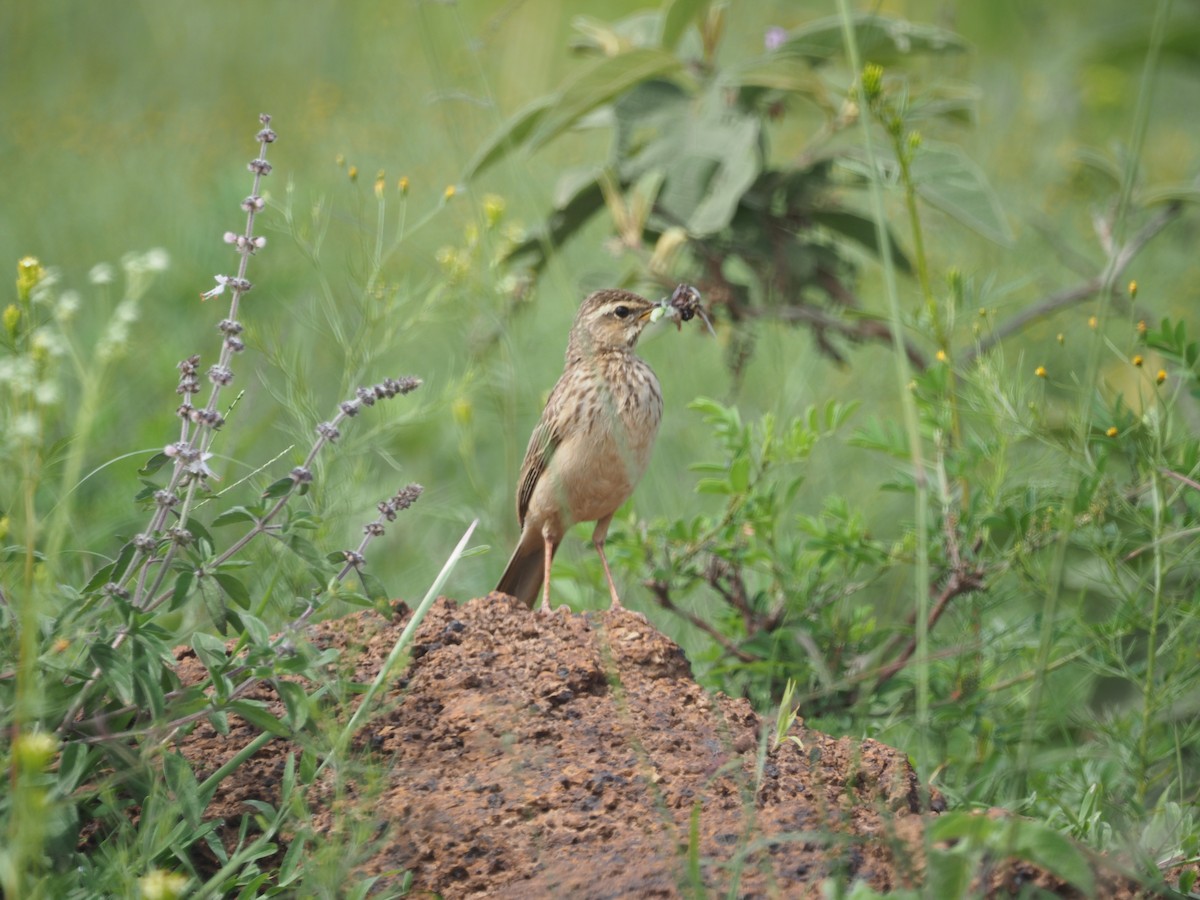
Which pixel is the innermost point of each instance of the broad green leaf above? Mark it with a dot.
(235, 514)
(210, 650)
(737, 163)
(713, 486)
(278, 488)
(948, 874)
(597, 84)
(950, 181)
(296, 701)
(154, 463)
(861, 230)
(677, 15)
(780, 73)
(1051, 850)
(116, 670)
(509, 136)
(373, 586)
(881, 39)
(234, 588)
(561, 225)
(74, 763)
(183, 586)
(254, 713)
(958, 826)
(739, 474)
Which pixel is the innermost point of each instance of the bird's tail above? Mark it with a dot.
(523, 576)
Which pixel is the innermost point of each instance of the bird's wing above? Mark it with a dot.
(542, 443)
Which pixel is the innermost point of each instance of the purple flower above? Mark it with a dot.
(775, 37)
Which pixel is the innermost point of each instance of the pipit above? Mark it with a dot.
(593, 442)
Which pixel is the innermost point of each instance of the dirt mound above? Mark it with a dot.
(574, 755)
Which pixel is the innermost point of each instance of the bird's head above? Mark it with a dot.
(610, 320)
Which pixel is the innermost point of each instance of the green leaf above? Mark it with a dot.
(183, 587)
(278, 488)
(182, 783)
(948, 874)
(236, 514)
(154, 463)
(373, 586)
(861, 230)
(296, 701)
(677, 15)
(957, 826)
(881, 39)
(254, 713)
(115, 670)
(713, 486)
(597, 84)
(561, 225)
(74, 763)
(734, 149)
(739, 474)
(1044, 846)
(950, 181)
(776, 72)
(509, 136)
(210, 650)
(234, 588)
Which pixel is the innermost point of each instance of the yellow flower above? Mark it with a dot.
(1093, 322)
(34, 750)
(450, 191)
(1112, 431)
(463, 410)
(159, 884)
(1040, 371)
(493, 209)
(1141, 326)
(29, 273)
(403, 185)
(353, 173)
(1137, 361)
(1161, 376)
(380, 183)
(1061, 339)
(872, 80)
(941, 356)
(1133, 290)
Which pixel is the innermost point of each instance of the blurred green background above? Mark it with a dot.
(127, 126)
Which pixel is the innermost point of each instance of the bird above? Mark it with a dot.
(593, 442)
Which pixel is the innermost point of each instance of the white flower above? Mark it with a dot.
(222, 280)
(24, 427)
(101, 273)
(46, 393)
(200, 467)
(46, 342)
(156, 259)
(68, 305)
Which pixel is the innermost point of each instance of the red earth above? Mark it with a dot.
(575, 756)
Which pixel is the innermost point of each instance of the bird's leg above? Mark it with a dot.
(548, 548)
(598, 537)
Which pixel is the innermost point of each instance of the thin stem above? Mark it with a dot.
(907, 402)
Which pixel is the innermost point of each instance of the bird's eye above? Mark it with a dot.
(621, 312)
